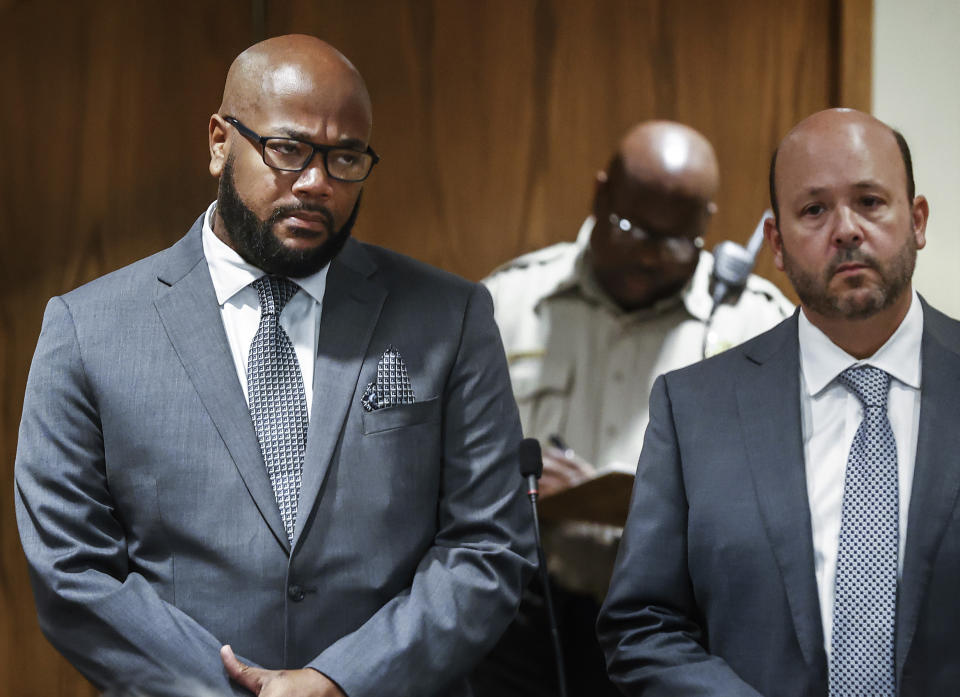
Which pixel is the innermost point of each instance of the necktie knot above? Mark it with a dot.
(870, 385)
(274, 292)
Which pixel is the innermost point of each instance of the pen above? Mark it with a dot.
(558, 442)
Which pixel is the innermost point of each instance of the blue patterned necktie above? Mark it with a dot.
(278, 403)
(864, 607)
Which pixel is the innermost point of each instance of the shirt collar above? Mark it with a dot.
(231, 274)
(821, 360)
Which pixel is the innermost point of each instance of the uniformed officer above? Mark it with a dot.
(588, 326)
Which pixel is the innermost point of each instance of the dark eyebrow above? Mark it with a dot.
(862, 184)
(344, 142)
(352, 143)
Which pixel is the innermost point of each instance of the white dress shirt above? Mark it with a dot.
(240, 306)
(831, 414)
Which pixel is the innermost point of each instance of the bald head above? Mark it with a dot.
(652, 206)
(668, 157)
(295, 65)
(290, 145)
(833, 123)
(849, 226)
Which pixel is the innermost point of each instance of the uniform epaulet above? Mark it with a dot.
(768, 289)
(759, 284)
(535, 258)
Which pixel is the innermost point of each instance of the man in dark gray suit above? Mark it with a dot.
(794, 527)
(273, 436)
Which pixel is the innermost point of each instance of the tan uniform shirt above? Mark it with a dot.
(582, 368)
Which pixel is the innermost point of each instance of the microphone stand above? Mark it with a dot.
(533, 492)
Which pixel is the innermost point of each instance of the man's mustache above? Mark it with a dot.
(284, 211)
(850, 256)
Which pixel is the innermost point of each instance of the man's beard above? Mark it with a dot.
(254, 240)
(815, 293)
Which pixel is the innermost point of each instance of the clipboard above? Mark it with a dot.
(604, 499)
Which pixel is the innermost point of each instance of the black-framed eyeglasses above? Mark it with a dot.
(294, 155)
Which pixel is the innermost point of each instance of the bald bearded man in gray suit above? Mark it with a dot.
(784, 540)
(157, 518)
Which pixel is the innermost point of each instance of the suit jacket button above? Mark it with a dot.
(295, 593)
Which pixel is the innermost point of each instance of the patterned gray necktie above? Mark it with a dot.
(278, 403)
(864, 607)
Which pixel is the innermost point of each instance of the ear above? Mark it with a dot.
(919, 213)
(217, 139)
(771, 234)
(599, 190)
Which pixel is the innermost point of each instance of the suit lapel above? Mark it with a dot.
(768, 399)
(188, 308)
(351, 308)
(936, 477)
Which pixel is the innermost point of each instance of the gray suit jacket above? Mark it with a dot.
(714, 591)
(150, 526)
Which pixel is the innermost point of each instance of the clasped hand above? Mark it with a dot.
(304, 682)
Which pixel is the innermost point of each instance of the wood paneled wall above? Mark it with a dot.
(492, 117)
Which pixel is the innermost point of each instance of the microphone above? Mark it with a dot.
(732, 264)
(531, 467)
